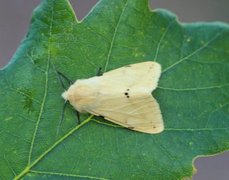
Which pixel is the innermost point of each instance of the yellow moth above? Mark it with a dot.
(122, 96)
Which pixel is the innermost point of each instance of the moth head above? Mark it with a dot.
(80, 94)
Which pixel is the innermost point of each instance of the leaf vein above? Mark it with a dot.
(161, 40)
(198, 129)
(194, 52)
(168, 154)
(65, 174)
(25, 94)
(45, 88)
(106, 124)
(8, 164)
(114, 36)
(217, 109)
(194, 88)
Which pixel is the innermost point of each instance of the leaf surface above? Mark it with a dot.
(193, 94)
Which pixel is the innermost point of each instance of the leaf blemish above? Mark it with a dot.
(28, 99)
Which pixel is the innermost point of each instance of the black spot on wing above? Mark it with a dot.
(127, 94)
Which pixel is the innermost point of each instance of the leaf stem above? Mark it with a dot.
(27, 169)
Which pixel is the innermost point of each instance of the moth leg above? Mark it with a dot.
(60, 77)
(70, 82)
(99, 72)
(98, 118)
(63, 110)
(61, 117)
(78, 116)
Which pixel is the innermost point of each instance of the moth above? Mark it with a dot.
(122, 96)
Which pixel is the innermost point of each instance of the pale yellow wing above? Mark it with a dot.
(141, 75)
(140, 113)
(124, 97)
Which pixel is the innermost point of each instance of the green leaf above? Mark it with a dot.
(193, 94)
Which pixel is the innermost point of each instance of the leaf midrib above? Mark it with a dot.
(45, 88)
(27, 169)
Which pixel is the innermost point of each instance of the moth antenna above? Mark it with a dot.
(62, 83)
(61, 117)
(70, 82)
(78, 117)
(99, 72)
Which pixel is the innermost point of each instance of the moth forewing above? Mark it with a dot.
(122, 96)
